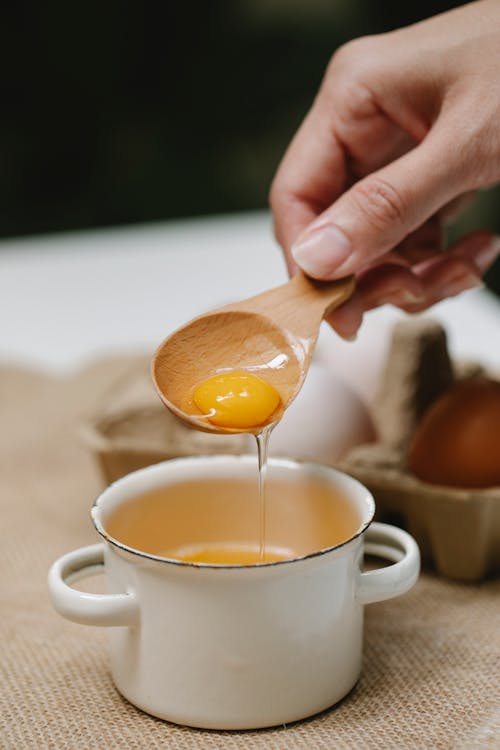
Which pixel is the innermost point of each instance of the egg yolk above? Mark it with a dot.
(236, 399)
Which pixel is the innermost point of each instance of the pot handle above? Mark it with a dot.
(88, 609)
(394, 544)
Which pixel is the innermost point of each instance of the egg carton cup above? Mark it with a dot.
(131, 429)
(457, 529)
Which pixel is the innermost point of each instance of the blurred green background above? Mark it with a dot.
(122, 112)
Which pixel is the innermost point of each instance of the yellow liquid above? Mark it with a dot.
(215, 520)
(227, 554)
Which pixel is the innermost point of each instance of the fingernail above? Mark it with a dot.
(488, 253)
(457, 284)
(321, 250)
(406, 297)
(399, 297)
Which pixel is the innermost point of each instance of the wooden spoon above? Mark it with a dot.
(271, 335)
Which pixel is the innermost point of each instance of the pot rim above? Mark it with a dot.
(243, 459)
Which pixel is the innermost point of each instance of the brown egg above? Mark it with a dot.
(457, 443)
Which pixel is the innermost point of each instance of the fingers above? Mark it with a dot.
(444, 278)
(461, 268)
(480, 247)
(311, 176)
(320, 164)
(417, 288)
(425, 242)
(391, 283)
(378, 212)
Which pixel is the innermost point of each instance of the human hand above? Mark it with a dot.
(404, 128)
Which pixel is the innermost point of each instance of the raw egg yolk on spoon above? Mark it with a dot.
(237, 399)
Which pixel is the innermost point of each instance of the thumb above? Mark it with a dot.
(380, 210)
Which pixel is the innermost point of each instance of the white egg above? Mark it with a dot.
(325, 421)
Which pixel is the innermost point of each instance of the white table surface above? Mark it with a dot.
(66, 299)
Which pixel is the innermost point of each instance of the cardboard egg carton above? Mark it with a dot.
(457, 529)
(131, 429)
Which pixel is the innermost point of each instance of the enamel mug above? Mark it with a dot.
(237, 647)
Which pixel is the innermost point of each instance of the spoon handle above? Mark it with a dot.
(322, 296)
(301, 304)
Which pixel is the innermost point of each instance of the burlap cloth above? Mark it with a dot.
(431, 675)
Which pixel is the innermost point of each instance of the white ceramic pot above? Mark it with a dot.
(235, 647)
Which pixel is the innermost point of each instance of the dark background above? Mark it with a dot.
(121, 112)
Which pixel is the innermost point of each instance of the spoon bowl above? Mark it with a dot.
(271, 335)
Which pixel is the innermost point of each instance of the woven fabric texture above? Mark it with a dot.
(431, 676)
